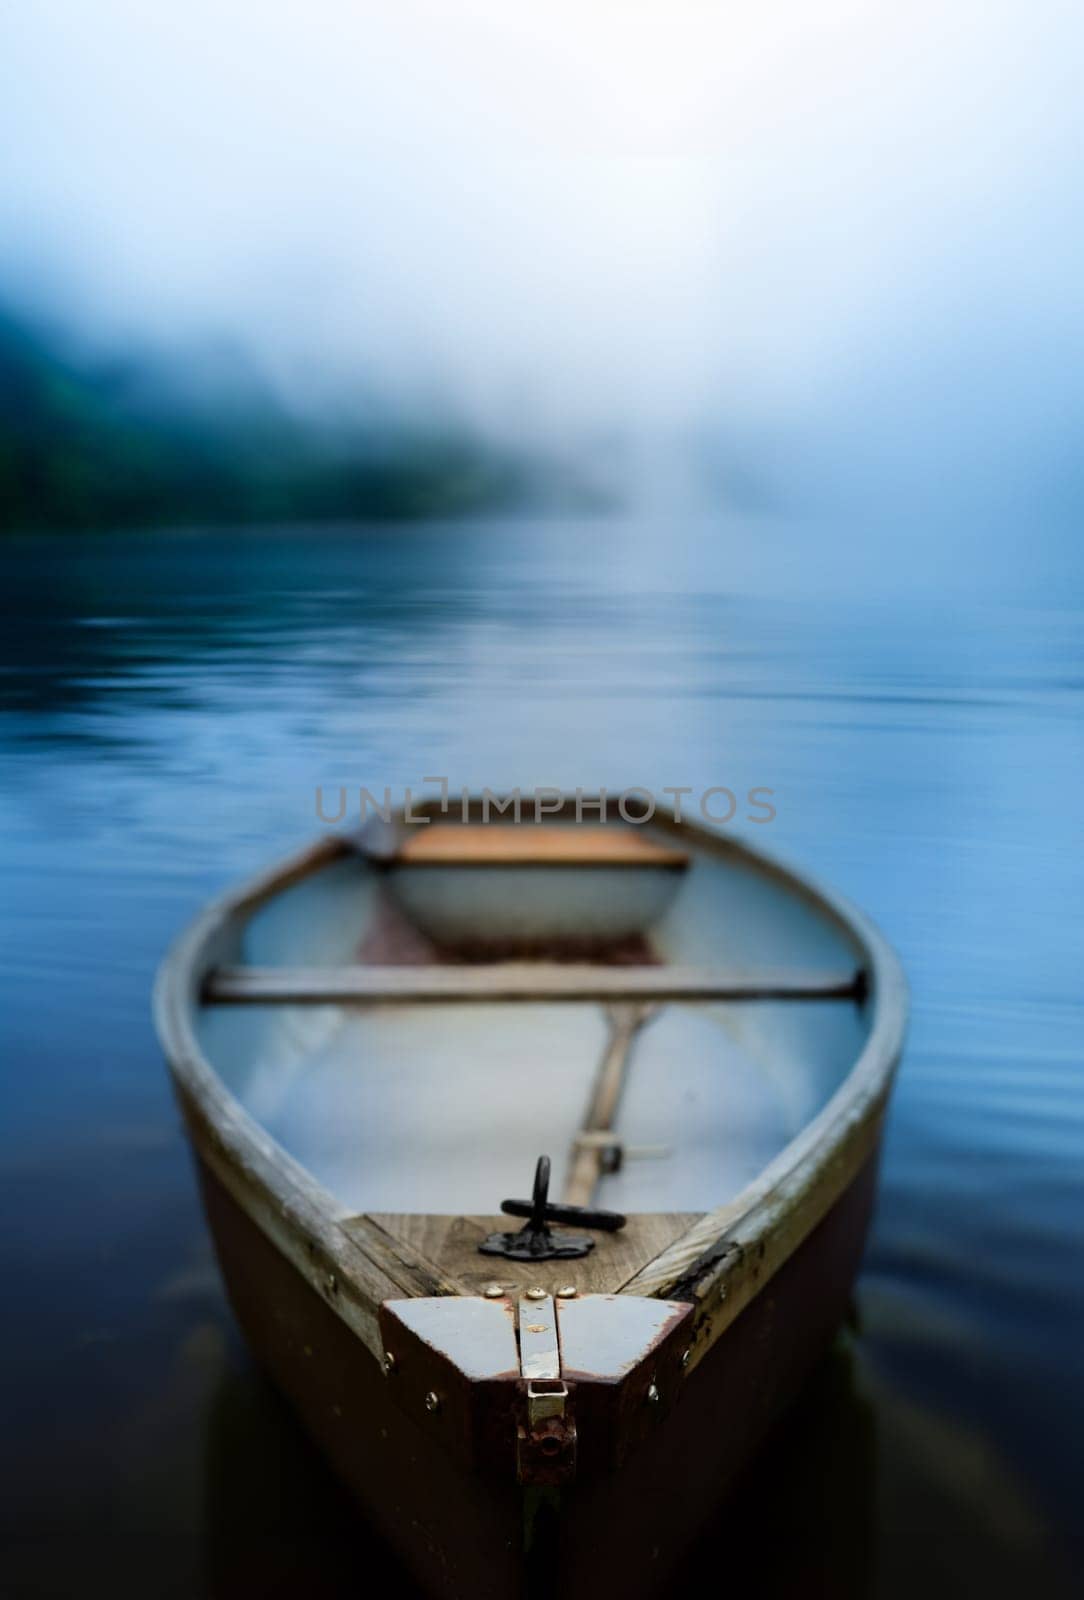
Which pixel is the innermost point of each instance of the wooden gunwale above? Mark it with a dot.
(728, 1256)
(355, 1272)
(720, 1263)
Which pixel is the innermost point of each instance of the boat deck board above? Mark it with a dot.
(451, 1243)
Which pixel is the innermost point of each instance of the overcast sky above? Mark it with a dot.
(656, 214)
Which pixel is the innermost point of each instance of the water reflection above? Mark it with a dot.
(279, 1523)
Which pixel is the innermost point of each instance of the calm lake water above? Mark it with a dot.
(171, 703)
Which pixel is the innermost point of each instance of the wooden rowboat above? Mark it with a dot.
(372, 1046)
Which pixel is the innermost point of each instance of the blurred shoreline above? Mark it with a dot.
(134, 441)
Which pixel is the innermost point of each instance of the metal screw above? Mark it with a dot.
(390, 1363)
(567, 1293)
(332, 1283)
(432, 1401)
(494, 1291)
(653, 1393)
(536, 1294)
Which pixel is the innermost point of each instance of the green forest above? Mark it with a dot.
(88, 442)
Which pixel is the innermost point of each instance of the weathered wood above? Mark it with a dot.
(286, 1202)
(533, 844)
(461, 1532)
(458, 1531)
(625, 1534)
(721, 1261)
(728, 1254)
(585, 1163)
(450, 1245)
(500, 982)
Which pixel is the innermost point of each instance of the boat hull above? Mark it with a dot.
(528, 1433)
(462, 1532)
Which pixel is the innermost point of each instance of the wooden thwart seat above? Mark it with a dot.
(501, 982)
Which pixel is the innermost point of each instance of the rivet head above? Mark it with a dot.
(653, 1394)
(493, 1291)
(567, 1293)
(389, 1363)
(432, 1401)
(536, 1294)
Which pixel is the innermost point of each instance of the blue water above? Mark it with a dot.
(171, 702)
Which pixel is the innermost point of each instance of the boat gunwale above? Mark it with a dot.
(727, 1257)
(720, 1263)
(354, 1272)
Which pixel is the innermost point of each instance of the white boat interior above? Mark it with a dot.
(444, 1107)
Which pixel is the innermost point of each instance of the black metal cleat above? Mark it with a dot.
(537, 1241)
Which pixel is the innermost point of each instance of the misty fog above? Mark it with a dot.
(818, 255)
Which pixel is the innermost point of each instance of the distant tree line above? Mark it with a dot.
(89, 443)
